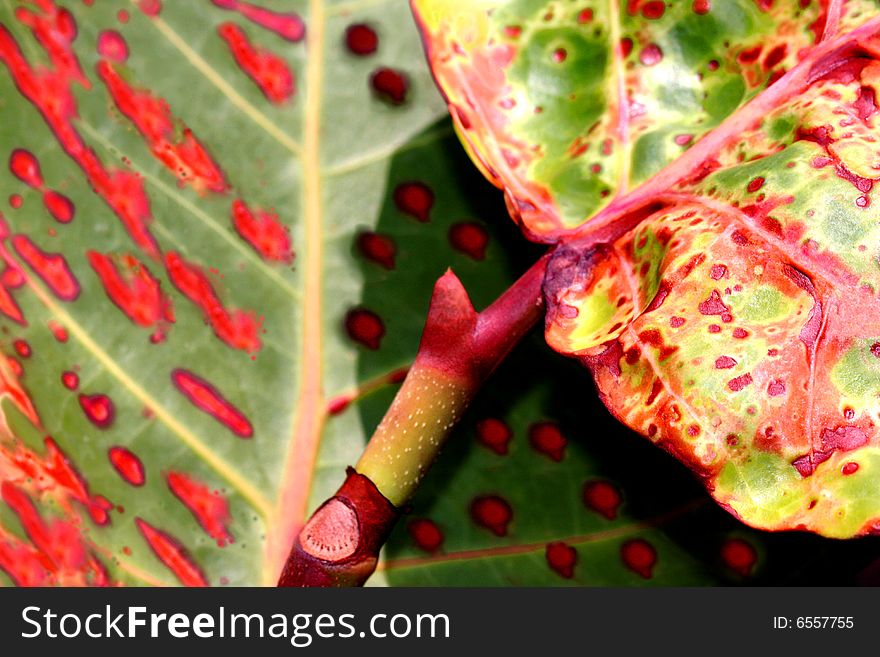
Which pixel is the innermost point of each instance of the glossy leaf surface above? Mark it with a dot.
(568, 106)
(728, 305)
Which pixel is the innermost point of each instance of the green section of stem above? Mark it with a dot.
(412, 432)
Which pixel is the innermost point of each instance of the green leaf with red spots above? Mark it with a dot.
(184, 188)
(569, 106)
(727, 304)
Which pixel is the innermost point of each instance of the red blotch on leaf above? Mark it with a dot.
(288, 26)
(262, 230)
(651, 55)
(639, 556)
(172, 553)
(22, 348)
(209, 508)
(470, 238)
(173, 144)
(99, 409)
(494, 434)
(493, 513)
(603, 498)
(112, 46)
(267, 70)
(128, 465)
(365, 327)
(237, 328)
(415, 199)
(739, 555)
(52, 268)
(361, 39)
(547, 438)
(59, 206)
(390, 85)
(26, 168)
(150, 8)
(132, 288)
(378, 248)
(70, 380)
(653, 9)
(425, 534)
(561, 558)
(740, 382)
(208, 399)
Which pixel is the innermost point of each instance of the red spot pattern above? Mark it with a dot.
(268, 71)
(266, 235)
(724, 363)
(651, 55)
(470, 238)
(739, 555)
(740, 382)
(99, 409)
(378, 248)
(26, 168)
(128, 465)
(207, 398)
(209, 508)
(132, 288)
(59, 206)
(653, 9)
(171, 553)
(494, 434)
(390, 85)
(561, 558)
(425, 534)
(150, 7)
(288, 26)
(717, 272)
(415, 199)
(70, 380)
(58, 331)
(701, 6)
(112, 46)
(756, 184)
(603, 498)
(365, 327)
(776, 388)
(52, 268)
(237, 328)
(49, 90)
(547, 438)
(493, 513)
(170, 142)
(714, 306)
(361, 39)
(639, 556)
(22, 348)
(59, 547)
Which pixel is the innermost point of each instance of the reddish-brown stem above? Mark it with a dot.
(339, 545)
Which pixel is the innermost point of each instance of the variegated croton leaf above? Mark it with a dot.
(706, 168)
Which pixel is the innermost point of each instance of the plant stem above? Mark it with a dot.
(460, 348)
